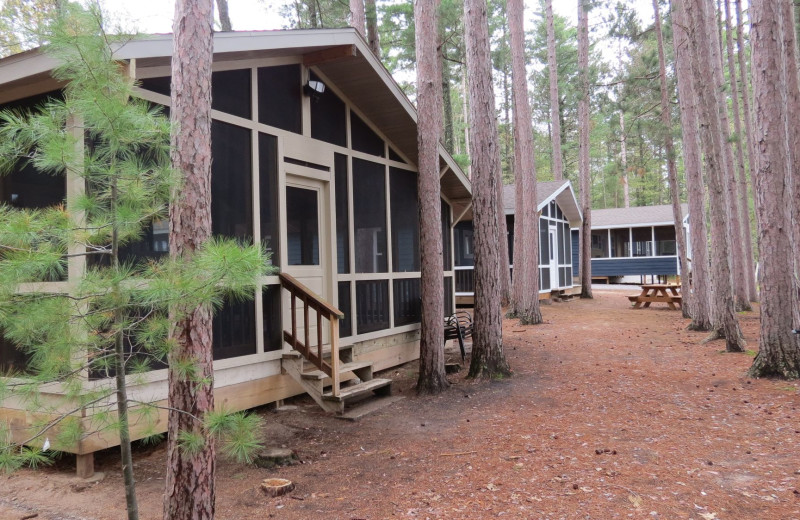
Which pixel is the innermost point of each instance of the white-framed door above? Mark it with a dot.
(553, 261)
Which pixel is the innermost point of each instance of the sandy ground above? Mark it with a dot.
(611, 413)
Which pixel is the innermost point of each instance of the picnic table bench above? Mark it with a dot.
(657, 293)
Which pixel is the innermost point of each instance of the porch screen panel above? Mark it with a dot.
(405, 220)
(230, 92)
(562, 259)
(369, 216)
(620, 243)
(346, 306)
(231, 181)
(280, 97)
(302, 226)
(447, 260)
(268, 195)
(600, 243)
(363, 138)
(271, 309)
(12, 358)
(665, 241)
(544, 241)
(448, 295)
(544, 278)
(407, 304)
(642, 241)
(161, 85)
(372, 305)
(342, 215)
(328, 117)
(567, 243)
(234, 330)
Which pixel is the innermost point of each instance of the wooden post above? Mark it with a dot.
(334, 355)
(84, 465)
(294, 319)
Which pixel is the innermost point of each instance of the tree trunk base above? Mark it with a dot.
(695, 326)
(714, 335)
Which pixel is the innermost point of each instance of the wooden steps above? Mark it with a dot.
(343, 369)
(360, 390)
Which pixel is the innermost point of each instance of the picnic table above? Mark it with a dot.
(657, 293)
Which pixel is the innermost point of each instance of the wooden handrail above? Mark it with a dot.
(310, 300)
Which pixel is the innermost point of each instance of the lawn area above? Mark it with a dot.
(611, 413)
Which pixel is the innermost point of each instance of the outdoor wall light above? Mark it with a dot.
(314, 88)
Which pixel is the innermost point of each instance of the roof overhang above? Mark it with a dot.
(565, 198)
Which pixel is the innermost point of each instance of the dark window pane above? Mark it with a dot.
(369, 216)
(302, 226)
(345, 324)
(157, 85)
(234, 330)
(12, 358)
(545, 211)
(642, 241)
(342, 215)
(230, 92)
(544, 242)
(620, 243)
(446, 238)
(394, 155)
(448, 295)
(27, 188)
(231, 181)
(273, 334)
(405, 220)
(268, 188)
(567, 244)
(465, 280)
(665, 241)
(407, 305)
(372, 305)
(363, 139)
(559, 214)
(562, 276)
(510, 233)
(600, 243)
(553, 209)
(153, 245)
(562, 259)
(328, 117)
(545, 278)
(280, 99)
(462, 240)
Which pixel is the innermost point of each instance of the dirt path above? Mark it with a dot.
(611, 413)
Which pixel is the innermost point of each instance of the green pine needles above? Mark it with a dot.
(72, 300)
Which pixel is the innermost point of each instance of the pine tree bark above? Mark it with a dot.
(700, 283)
(190, 474)
(623, 160)
(358, 17)
(737, 261)
(526, 264)
(224, 16)
(741, 52)
(778, 353)
(552, 64)
(741, 181)
(432, 378)
(701, 39)
(672, 170)
(447, 124)
(488, 358)
(373, 36)
(583, 150)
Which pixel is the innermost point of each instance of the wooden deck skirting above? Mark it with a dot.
(298, 291)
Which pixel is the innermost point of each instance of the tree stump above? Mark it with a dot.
(275, 487)
(275, 458)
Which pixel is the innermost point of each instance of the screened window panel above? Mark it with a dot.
(544, 281)
(559, 214)
(447, 260)
(328, 117)
(448, 295)
(158, 85)
(369, 216)
(302, 226)
(394, 156)
(231, 92)
(465, 280)
(600, 243)
(642, 241)
(562, 276)
(544, 242)
(234, 330)
(620, 243)
(567, 244)
(342, 215)
(546, 211)
(271, 308)
(363, 138)
(231, 181)
(407, 302)
(345, 305)
(405, 220)
(562, 259)
(372, 305)
(462, 244)
(665, 241)
(12, 358)
(268, 195)
(280, 97)
(510, 234)
(553, 209)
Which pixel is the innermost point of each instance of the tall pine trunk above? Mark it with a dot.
(741, 181)
(373, 36)
(778, 353)
(552, 63)
(744, 76)
(583, 150)
(358, 17)
(432, 377)
(692, 160)
(712, 139)
(526, 261)
(488, 358)
(190, 473)
(224, 17)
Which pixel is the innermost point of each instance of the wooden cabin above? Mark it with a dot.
(558, 211)
(629, 244)
(314, 155)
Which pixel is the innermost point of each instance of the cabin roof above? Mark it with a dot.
(341, 56)
(636, 216)
(546, 191)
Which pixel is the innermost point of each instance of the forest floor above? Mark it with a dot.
(611, 413)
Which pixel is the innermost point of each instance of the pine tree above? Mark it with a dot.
(583, 162)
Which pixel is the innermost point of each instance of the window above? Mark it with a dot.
(642, 241)
(231, 181)
(234, 330)
(600, 243)
(369, 216)
(405, 220)
(273, 328)
(280, 98)
(448, 295)
(302, 226)
(12, 358)
(342, 215)
(665, 241)
(447, 260)
(363, 138)
(158, 85)
(328, 117)
(394, 156)
(372, 305)
(620, 243)
(268, 188)
(544, 242)
(230, 92)
(407, 301)
(345, 305)
(562, 244)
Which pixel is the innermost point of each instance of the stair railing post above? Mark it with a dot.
(334, 320)
(294, 318)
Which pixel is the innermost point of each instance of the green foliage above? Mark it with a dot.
(237, 432)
